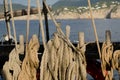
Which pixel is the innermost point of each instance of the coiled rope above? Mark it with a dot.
(107, 52)
(110, 59)
(116, 61)
(12, 67)
(31, 61)
(61, 60)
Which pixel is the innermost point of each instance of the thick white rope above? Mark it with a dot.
(94, 28)
(13, 25)
(55, 65)
(106, 60)
(41, 23)
(28, 22)
(62, 35)
(7, 17)
(31, 61)
(12, 68)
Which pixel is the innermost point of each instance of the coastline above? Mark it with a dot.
(66, 17)
(97, 14)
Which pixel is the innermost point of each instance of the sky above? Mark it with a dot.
(33, 2)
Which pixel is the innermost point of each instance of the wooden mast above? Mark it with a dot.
(45, 11)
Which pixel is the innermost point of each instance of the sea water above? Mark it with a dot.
(78, 25)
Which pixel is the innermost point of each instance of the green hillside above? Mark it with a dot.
(77, 3)
(15, 7)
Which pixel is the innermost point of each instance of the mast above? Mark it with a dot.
(45, 11)
(7, 18)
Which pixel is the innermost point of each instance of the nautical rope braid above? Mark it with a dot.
(61, 61)
(12, 67)
(7, 17)
(109, 59)
(58, 28)
(13, 25)
(31, 62)
(107, 69)
(116, 61)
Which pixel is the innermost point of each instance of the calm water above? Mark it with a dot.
(76, 26)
